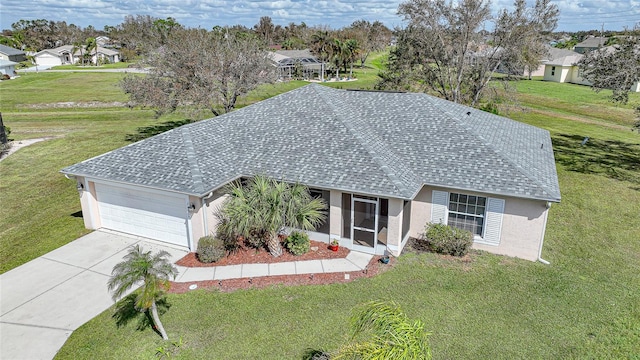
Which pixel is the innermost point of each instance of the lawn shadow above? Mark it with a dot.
(77, 214)
(614, 159)
(126, 312)
(149, 131)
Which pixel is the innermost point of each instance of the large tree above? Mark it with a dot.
(199, 70)
(152, 271)
(615, 67)
(369, 36)
(265, 206)
(442, 49)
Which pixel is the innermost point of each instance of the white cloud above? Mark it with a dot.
(574, 15)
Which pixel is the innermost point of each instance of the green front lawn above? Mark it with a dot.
(586, 304)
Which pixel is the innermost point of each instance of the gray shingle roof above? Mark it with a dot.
(9, 51)
(385, 144)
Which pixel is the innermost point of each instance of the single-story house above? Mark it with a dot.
(286, 62)
(589, 44)
(10, 54)
(8, 67)
(68, 54)
(564, 69)
(386, 164)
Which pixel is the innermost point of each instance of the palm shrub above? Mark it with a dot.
(297, 243)
(381, 330)
(268, 206)
(210, 249)
(445, 239)
(153, 271)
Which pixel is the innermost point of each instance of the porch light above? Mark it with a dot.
(191, 207)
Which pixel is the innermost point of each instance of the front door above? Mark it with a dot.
(364, 222)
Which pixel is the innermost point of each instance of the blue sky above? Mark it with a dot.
(574, 15)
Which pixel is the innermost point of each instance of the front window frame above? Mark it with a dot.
(467, 212)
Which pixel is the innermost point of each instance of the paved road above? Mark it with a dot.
(43, 301)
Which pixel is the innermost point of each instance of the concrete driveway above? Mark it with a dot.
(43, 301)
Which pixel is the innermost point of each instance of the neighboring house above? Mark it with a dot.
(286, 62)
(61, 55)
(8, 67)
(590, 44)
(564, 69)
(386, 164)
(68, 54)
(11, 54)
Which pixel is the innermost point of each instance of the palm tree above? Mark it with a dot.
(153, 271)
(321, 46)
(266, 206)
(352, 49)
(77, 45)
(90, 45)
(392, 335)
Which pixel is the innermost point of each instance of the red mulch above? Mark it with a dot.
(262, 256)
(251, 256)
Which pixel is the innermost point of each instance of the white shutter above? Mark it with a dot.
(493, 223)
(439, 206)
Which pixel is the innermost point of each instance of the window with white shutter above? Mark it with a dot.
(493, 228)
(480, 215)
(439, 205)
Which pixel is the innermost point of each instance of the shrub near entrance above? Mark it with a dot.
(297, 243)
(210, 249)
(444, 239)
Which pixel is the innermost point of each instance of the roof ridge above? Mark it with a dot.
(196, 174)
(489, 145)
(395, 178)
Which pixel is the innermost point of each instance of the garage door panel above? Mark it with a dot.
(143, 213)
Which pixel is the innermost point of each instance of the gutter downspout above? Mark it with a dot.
(204, 213)
(544, 230)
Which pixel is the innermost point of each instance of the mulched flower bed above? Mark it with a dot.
(246, 255)
(252, 256)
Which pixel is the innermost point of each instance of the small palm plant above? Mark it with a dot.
(153, 271)
(267, 206)
(386, 333)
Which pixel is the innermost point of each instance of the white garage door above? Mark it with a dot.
(48, 59)
(152, 215)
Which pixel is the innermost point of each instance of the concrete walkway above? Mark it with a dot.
(43, 301)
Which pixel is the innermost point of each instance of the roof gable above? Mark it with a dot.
(385, 144)
(9, 51)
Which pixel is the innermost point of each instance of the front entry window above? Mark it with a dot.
(467, 212)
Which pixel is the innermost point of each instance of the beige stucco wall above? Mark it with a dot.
(205, 213)
(523, 223)
(575, 77)
(89, 204)
(561, 73)
(335, 215)
(394, 226)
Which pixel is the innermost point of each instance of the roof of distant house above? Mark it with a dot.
(567, 60)
(592, 42)
(9, 51)
(377, 143)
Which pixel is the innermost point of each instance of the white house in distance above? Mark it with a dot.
(564, 69)
(65, 55)
(385, 163)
